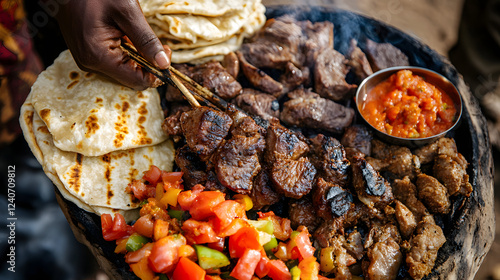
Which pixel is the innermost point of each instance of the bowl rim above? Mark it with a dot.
(458, 102)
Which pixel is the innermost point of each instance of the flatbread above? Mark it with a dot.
(93, 116)
(209, 8)
(95, 184)
(191, 55)
(192, 27)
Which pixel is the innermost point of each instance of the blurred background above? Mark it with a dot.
(466, 32)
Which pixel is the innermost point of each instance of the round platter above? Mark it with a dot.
(469, 229)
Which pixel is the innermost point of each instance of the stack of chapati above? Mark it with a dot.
(199, 30)
(93, 136)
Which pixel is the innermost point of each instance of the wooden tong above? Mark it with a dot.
(191, 90)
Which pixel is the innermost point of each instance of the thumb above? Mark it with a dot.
(133, 23)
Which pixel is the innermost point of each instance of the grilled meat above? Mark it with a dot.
(301, 212)
(329, 76)
(258, 103)
(329, 158)
(214, 76)
(262, 193)
(232, 64)
(293, 178)
(358, 137)
(307, 109)
(406, 220)
(283, 143)
(384, 55)
(452, 174)
(192, 166)
(258, 78)
(205, 129)
(433, 194)
(358, 61)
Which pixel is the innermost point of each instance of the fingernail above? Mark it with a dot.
(162, 60)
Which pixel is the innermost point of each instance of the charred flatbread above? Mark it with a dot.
(90, 115)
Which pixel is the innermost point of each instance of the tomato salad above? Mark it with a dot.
(199, 234)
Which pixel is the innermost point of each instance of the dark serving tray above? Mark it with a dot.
(470, 227)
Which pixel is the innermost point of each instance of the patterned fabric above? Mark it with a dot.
(19, 67)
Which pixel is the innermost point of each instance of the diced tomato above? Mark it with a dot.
(113, 229)
(245, 267)
(144, 226)
(152, 175)
(154, 209)
(278, 270)
(282, 226)
(304, 244)
(140, 190)
(160, 229)
(164, 254)
(197, 232)
(136, 256)
(212, 277)
(321, 277)
(226, 212)
(172, 179)
(204, 204)
(188, 252)
(186, 198)
(142, 270)
(262, 267)
(309, 268)
(188, 270)
(245, 238)
(233, 228)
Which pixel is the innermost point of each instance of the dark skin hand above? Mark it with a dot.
(93, 31)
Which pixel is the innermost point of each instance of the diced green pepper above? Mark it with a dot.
(135, 242)
(177, 214)
(295, 271)
(163, 277)
(263, 225)
(269, 246)
(210, 258)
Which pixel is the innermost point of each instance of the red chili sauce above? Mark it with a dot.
(407, 106)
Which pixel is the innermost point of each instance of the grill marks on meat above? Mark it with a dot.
(329, 76)
(214, 76)
(358, 137)
(204, 129)
(372, 189)
(293, 178)
(262, 193)
(282, 143)
(329, 158)
(307, 109)
(329, 198)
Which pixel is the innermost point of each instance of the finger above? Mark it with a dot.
(134, 25)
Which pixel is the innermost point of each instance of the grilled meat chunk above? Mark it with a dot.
(307, 109)
(262, 194)
(443, 146)
(204, 129)
(214, 76)
(192, 166)
(354, 244)
(237, 162)
(293, 178)
(397, 160)
(384, 260)
(358, 61)
(258, 78)
(318, 37)
(433, 194)
(358, 137)
(232, 64)
(342, 259)
(284, 30)
(424, 244)
(406, 220)
(267, 54)
(329, 158)
(406, 192)
(258, 103)
(384, 55)
(301, 212)
(172, 125)
(329, 76)
(329, 198)
(372, 189)
(283, 143)
(293, 77)
(452, 174)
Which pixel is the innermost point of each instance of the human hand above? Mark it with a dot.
(93, 30)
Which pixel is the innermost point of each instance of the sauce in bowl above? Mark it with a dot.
(407, 106)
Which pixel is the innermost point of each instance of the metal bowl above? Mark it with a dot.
(430, 76)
